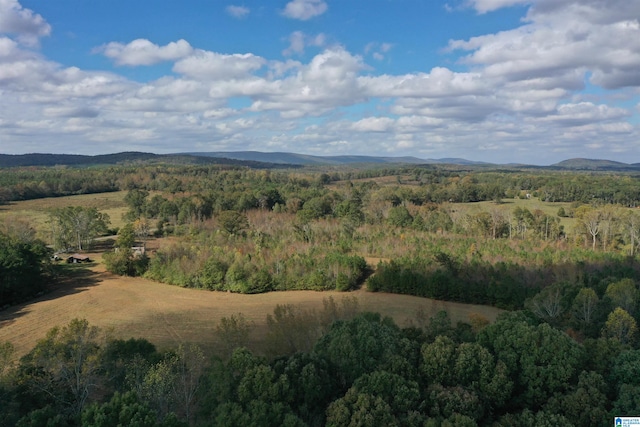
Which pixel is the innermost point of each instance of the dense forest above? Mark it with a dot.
(363, 370)
(556, 249)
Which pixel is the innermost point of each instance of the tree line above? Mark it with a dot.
(25, 268)
(361, 370)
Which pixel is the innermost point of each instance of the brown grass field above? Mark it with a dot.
(169, 315)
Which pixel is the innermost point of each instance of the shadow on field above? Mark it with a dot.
(68, 279)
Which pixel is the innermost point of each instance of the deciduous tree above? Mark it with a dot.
(76, 226)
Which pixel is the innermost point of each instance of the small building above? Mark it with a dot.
(77, 258)
(138, 251)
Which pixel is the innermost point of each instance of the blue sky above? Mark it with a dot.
(528, 81)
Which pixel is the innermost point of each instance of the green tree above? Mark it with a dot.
(586, 405)
(361, 345)
(399, 216)
(621, 326)
(539, 359)
(232, 221)
(76, 226)
(438, 359)
(358, 409)
(24, 268)
(136, 199)
(449, 401)
(126, 237)
(624, 294)
(401, 394)
(123, 410)
(47, 416)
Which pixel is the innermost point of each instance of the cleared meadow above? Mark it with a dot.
(169, 315)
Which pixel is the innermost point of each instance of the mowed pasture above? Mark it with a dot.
(37, 211)
(169, 315)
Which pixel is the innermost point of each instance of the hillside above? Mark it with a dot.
(130, 157)
(595, 164)
(269, 160)
(305, 159)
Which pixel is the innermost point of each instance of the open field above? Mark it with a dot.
(168, 315)
(36, 211)
(508, 205)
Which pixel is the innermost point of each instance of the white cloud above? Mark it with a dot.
(298, 41)
(563, 36)
(330, 80)
(440, 82)
(373, 124)
(71, 111)
(207, 65)
(27, 25)
(484, 6)
(524, 94)
(377, 50)
(585, 113)
(238, 11)
(304, 9)
(143, 52)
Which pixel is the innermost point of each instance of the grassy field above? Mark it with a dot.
(168, 315)
(36, 211)
(508, 205)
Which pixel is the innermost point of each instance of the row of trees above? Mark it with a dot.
(24, 263)
(431, 184)
(363, 371)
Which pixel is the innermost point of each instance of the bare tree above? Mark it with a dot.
(584, 305)
(631, 221)
(70, 356)
(592, 220)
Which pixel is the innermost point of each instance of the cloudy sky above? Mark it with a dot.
(530, 81)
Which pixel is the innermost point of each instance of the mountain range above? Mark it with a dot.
(257, 159)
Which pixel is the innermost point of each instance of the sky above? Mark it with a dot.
(501, 81)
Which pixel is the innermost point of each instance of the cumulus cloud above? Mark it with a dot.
(330, 80)
(304, 9)
(298, 41)
(238, 11)
(585, 113)
(484, 6)
(143, 52)
(208, 65)
(71, 111)
(373, 124)
(560, 37)
(519, 93)
(27, 25)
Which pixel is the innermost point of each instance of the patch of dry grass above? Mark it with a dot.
(169, 315)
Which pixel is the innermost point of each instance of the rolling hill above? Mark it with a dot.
(269, 160)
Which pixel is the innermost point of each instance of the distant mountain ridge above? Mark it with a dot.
(128, 157)
(307, 159)
(595, 164)
(257, 159)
